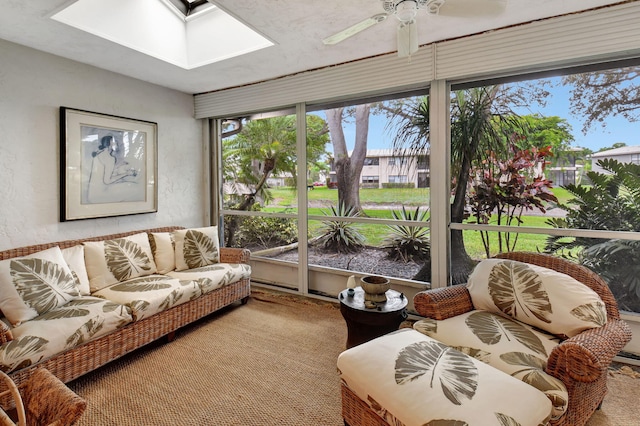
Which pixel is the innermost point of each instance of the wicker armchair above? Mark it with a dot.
(580, 362)
(43, 400)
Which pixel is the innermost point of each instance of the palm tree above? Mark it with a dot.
(265, 147)
(480, 123)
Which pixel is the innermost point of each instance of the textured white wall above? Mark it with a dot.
(33, 85)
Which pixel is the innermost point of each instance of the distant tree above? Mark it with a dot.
(602, 94)
(614, 146)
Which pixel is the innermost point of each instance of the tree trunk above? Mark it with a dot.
(348, 167)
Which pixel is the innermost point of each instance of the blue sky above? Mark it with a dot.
(618, 129)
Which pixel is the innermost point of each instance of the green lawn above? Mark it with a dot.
(285, 199)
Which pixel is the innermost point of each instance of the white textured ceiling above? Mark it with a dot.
(295, 26)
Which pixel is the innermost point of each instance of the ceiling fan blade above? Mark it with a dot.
(355, 29)
(407, 39)
(472, 8)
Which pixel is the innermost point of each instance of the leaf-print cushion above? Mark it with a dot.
(510, 346)
(411, 379)
(74, 256)
(163, 249)
(73, 324)
(34, 284)
(151, 294)
(541, 297)
(120, 259)
(196, 247)
(214, 276)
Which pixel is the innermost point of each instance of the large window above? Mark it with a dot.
(524, 177)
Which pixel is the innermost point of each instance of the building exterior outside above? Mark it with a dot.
(386, 167)
(565, 168)
(625, 154)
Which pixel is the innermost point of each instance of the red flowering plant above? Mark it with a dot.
(501, 191)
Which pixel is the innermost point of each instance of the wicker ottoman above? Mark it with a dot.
(407, 378)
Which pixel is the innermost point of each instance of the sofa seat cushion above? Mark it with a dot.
(151, 294)
(510, 346)
(214, 276)
(79, 321)
(410, 379)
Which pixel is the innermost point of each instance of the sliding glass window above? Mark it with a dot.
(368, 199)
(550, 165)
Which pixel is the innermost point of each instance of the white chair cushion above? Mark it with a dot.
(510, 346)
(541, 297)
(411, 379)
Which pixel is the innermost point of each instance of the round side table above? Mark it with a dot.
(364, 324)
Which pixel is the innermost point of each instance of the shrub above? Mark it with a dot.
(340, 236)
(611, 203)
(398, 185)
(408, 243)
(263, 231)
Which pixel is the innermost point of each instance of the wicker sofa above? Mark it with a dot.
(131, 333)
(580, 362)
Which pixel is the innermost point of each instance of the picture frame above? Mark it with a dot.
(108, 165)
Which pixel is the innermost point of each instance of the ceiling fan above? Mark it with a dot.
(406, 11)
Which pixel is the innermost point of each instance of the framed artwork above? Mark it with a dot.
(108, 165)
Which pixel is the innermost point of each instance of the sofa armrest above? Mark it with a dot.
(5, 333)
(443, 303)
(234, 255)
(585, 357)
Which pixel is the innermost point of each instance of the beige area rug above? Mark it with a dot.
(271, 362)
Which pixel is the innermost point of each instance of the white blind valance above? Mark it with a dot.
(588, 37)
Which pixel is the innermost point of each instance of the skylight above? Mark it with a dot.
(189, 37)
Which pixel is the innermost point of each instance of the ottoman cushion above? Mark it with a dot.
(412, 379)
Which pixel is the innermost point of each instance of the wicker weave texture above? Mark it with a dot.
(48, 401)
(580, 362)
(80, 360)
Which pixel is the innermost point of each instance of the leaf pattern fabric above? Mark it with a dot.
(517, 291)
(214, 276)
(512, 347)
(42, 284)
(456, 372)
(196, 247)
(151, 294)
(491, 329)
(32, 285)
(549, 300)
(77, 322)
(126, 259)
(411, 379)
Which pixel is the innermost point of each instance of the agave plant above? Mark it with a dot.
(408, 243)
(338, 235)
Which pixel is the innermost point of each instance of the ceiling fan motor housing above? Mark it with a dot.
(402, 8)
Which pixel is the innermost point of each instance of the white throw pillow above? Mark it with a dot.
(120, 259)
(74, 256)
(35, 284)
(163, 249)
(541, 297)
(196, 247)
